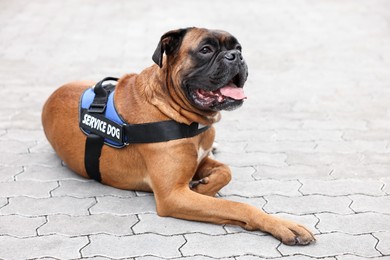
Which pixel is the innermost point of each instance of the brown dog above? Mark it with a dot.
(201, 73)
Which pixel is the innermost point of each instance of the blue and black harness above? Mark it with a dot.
(102, 124)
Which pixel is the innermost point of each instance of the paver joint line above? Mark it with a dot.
(43, 224)
(81, 249)
(138, 221)
(51, 191)
(185, 242)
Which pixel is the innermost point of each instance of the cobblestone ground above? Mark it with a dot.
(310, 144)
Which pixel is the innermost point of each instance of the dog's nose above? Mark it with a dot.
(233, 55)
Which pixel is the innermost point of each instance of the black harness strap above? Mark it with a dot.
(93, 150)
(94, 143)
(160, 131)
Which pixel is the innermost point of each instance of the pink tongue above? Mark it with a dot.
(233, 92)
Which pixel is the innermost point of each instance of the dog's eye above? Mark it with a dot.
(205, 50)
(239, 48)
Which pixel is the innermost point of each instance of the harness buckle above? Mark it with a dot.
(97, 108)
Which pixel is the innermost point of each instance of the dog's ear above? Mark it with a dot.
(169, 43)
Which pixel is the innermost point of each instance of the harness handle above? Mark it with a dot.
(99, 103)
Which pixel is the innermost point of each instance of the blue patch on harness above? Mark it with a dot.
(110, 113)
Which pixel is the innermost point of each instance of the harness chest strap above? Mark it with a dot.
(103, 125)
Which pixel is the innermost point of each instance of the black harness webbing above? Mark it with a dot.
(162, 131)
(94, 142)
(93, 150)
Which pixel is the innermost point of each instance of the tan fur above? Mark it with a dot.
(164, 168)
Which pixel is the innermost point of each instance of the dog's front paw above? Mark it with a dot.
(291, 233)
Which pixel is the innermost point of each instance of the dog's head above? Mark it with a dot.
(205, 65)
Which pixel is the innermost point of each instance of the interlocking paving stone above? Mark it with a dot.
(239, 244)
(101, 258)
(266, 124)
(8, 173)
(261, 188)
(242, 173)
(173, 226)
(307, 204)
(354, 257)
(124, 206)
(377, 158)
(384, 242)
(336, 244)
(280, 147)
(42, 173)
(296, 257)
(44, 159)
(41, 147)
(292, 172)
(91, 224)
(386, 188)
(85, 189)
(352, 146)
(132, 246)
(48, 206)
(361, 223)
(229, 147)
(362, 203)
(225, 133)
(358, 170)
(336, 124)
(3, 201)
(42, 246)
(23, 134)
(307, 135)
(14, 146)
(312, 159)
(341, 187)
(185, 258)
(377, 123)
(250, 159)
(27, 188)
(26, 120)
(19, 226)
(372, 135)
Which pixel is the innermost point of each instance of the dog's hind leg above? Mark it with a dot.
(211, 177)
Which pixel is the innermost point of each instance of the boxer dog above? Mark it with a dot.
(198, 72)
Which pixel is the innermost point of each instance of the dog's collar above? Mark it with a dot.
(99, 116)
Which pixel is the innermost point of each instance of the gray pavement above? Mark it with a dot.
(310, 144)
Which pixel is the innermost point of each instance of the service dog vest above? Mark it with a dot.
(108, 124)
(102, 124)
